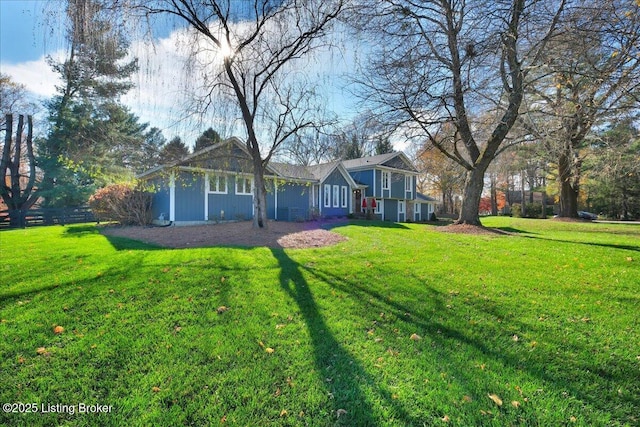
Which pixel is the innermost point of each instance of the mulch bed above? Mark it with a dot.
(277, 235)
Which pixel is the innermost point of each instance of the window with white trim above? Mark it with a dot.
(327, 196)
(336, 196)
(243, 186)
(386, 180)
(344, 195)
(401, 206)
(408, 184)
(218, 184)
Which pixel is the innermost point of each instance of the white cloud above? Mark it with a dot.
(36, 76)
(167, 78)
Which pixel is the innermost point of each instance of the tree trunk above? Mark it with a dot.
(568, 189)
(523, 195)
(473, 185)
(494, 197)
(544, 197)
(16, 192)
(259, 197)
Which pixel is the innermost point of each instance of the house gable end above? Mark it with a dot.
(401, 162)
(228, 157)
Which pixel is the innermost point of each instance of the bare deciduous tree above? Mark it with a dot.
(18, 170)
(258, 44)
(590, 75)
(445, 62)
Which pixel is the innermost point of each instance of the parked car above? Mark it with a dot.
(587, 215)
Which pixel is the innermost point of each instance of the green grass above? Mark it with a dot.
(547, 319)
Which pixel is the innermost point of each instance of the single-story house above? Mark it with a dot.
(216, 184)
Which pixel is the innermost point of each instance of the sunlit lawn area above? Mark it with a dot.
(400, 325)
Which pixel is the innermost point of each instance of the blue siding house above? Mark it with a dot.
(388, 186)
(216, 184)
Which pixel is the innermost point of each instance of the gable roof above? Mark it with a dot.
(317, 173)
(379, 160)
(322, 171)
(232, 140)
(286, 170)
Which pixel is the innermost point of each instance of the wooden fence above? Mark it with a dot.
(50, 216)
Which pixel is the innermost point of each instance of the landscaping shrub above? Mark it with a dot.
(532, 210)
(516, 210)
(125, 203)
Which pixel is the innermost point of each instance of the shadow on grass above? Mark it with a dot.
(347, 380)
(364, 223)
(577, 242)
(511, 230)
(575, 375)
(126, 244)
(80, 230)
(16, 294)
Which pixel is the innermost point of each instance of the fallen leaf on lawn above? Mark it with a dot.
(178, 328)
(495, 399)
(155, 389)
(42, 351)
(261, 344)
(280, 326)
(21, 359)
(269, 350)
(629, 259)
(340, 412)
(415, 337)
(283, 413)
(223, 419)
(446, 419)
(515, 338)
(58, 330)
(573, 419)
(467, 398)
(515, 403)
(222, 309)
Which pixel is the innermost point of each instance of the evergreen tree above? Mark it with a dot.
(174, 151)
(209, 137)
(384, 146)
(149, 155)
(85, 117)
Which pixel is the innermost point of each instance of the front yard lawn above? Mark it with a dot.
(399, 325)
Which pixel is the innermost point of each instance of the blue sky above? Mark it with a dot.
(21, 36)
(30, 30)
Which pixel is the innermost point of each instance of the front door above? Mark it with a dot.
(357, 195)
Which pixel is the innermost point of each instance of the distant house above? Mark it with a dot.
(216, 183)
